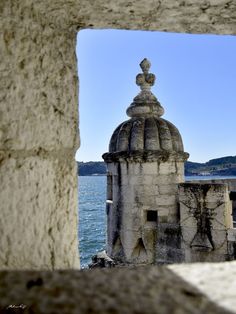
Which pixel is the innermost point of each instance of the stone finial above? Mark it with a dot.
(145, 80)
(145, 65)
(145, 103)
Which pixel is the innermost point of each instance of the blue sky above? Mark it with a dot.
(195, 83)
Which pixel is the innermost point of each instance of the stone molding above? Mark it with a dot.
(145, 156)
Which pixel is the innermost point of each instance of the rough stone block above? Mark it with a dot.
(168, 189)
(164, 200)
(180, 169)
(131, 220)
(124, 167)
(169, 179)
(186, 217)
(231, 233)
(219, 238)
(38, 213)
(167, 168)
(188, 233)
(39, 65)
(112, 168)
(149, 168)
(137, 168)
(142, 180)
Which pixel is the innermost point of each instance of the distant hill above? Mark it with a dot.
(91, 168)
(225, 166)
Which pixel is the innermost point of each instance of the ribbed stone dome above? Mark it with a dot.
(146, 135)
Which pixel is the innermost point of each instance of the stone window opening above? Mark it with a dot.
(152, 216)
(232, 196)
(109, 188)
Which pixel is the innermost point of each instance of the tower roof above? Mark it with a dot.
(145, 135)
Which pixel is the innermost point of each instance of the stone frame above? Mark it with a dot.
(39, 95)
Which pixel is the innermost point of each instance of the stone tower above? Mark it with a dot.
(145, 163)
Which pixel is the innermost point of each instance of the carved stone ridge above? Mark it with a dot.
(145, 156)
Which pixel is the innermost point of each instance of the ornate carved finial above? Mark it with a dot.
(145, 80)
(145, 103)
(145, 65)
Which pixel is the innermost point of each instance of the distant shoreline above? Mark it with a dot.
(193, 177)
(223, 167)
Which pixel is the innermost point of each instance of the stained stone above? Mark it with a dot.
(146, 148)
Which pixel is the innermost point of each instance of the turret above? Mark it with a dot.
(145, 163)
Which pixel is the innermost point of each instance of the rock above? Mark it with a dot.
(102, 260)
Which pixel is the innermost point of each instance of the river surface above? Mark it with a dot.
(92, 218)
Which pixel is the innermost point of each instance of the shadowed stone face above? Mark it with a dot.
(148, 290)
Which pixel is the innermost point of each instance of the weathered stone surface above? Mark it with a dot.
(38, 91)
(40, 229)
(38, 111)
(39, 63)
(167, 168)
(145, 163)
(215, 280)
(231, 183)
(208, 288)
(134, 135)
(205, 218)
(168, 189)
(38, 139)
(173, 16)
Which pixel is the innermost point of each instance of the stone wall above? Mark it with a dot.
(205, 218)
(38, 112)
(203, 16)
(38, 94)
(144, 197)
(38, 131)
(231, 183)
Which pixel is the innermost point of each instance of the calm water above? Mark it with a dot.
(92, 224)
(92, 220)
